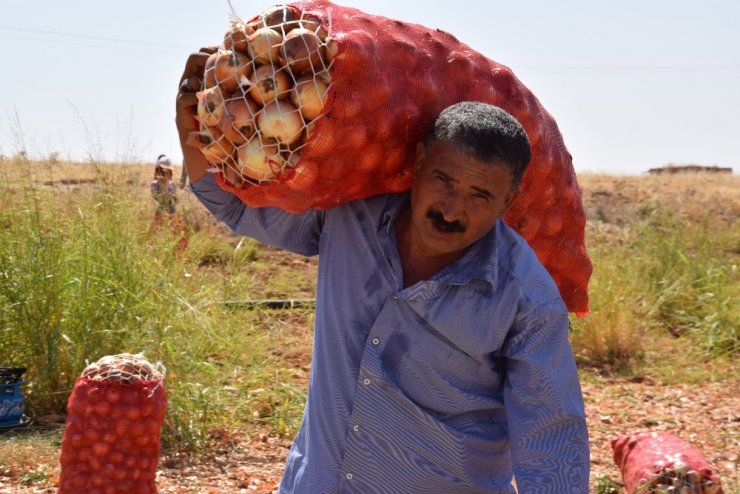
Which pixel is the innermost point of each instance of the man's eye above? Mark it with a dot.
(479, 196)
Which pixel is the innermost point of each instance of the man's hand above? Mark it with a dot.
(186, 111)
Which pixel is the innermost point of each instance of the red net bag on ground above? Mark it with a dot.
(114, 420)
(311, 104)
(660, 462)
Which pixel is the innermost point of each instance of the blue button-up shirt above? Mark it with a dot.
(447, 386)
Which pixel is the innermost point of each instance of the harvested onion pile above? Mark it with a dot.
(114, 421)
(262, 93)
(662, 463)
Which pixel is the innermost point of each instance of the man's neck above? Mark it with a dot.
(417, 264)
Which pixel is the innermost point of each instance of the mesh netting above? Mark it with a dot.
(660, 462)
(374, 87)
(114, 421)
(125, 368)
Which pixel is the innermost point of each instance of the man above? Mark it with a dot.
(441, 361)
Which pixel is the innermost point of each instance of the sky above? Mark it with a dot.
(632, 85)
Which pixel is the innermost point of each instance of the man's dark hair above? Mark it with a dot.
(486, 132)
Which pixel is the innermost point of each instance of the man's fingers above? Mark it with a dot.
(209, 49)
(195, 66)
(187, 104)
(191, 84)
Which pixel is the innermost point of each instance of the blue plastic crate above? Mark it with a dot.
(12, 403)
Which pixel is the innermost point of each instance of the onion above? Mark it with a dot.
(226, 68)
(264, 45)
(260, 160)
(280, 16)
(282, 121)
(232, 175)
(267, 84)
(309, 95)
(310, 129)
(236, 38)
(313, 24)
(238, 123)
(326, 140)
(214, 146)
(301, 50)
(302, 176)
(210, 106)
(330, 51)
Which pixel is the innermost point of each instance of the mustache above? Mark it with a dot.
(446, 226)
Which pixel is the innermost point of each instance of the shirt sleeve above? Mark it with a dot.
(298, 233)
(544, 405)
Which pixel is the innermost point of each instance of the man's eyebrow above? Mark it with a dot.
(480, 190)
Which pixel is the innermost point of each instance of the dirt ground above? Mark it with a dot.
(707, 415)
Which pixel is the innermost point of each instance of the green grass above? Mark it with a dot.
(662, 279)
(82, 275)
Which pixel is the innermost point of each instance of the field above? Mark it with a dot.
(86, 272)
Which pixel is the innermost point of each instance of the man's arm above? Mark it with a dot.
(298, 233)
(544, 406)
(186, 111)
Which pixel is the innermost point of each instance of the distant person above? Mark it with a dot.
(163, 189)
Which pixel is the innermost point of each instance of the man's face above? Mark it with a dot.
(455, 199)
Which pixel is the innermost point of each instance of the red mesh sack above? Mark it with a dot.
(378, 85)
(114, 420)
(660, 462)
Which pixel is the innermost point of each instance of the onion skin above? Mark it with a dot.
(260, 160)
(330, 51)
(279, 16)
(210, 106)
(225, 68)
(267, 83)
(264, 45)
(282, 121)
(236, 38)
(302, 50)
(238, 123)
(313, 24)
(309, 95)
(219, 151)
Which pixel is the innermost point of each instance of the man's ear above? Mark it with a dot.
(419, 156)
(511, 195)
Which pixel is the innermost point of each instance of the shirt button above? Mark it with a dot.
(356, 428)
(376, 341)
(366, 381)
(348, 476)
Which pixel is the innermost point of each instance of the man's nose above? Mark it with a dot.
(452, 206)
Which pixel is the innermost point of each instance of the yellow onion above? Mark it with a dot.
(313, 24)
(330, 51)
(309, 95)
(301, 51)
(214, 146)
(266, 84)
(264, 45)
(279, 17)
(282, 121)
(236, 38)
(260, 159)
(226, 68)
(210, 106)
(238, 123)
